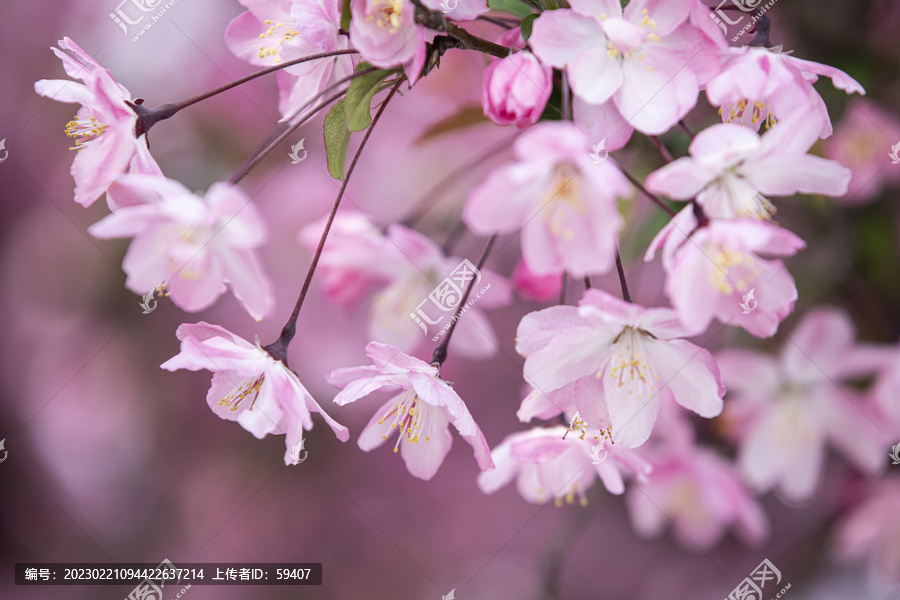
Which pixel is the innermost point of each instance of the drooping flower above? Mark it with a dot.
(701, 494)
(716, 272)
(764, 85)
(788, 409)
(193, 244)
(864, 139)
(272, 32)
(546, 463)
(731, 169)
(421, 414)
(386, 34)
(638, 69)
(624, 361)
(250, 386)
(516, 89)
(564, 204)
(104, 126)
(406, 273)
(871, 531)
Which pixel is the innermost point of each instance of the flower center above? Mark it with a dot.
(276, 35)
(564, 200)
(237, 395)
(730, 196)
(410, 416)
(733, 271)
(628, 366)
(84, 130)
(388, 14)
(759, 111)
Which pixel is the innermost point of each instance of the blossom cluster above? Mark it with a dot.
(612, 375)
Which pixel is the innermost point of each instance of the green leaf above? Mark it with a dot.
(513, 7)
(527, 23)
(358, 101)
(345, 15)
(471, 114)
(337, 139)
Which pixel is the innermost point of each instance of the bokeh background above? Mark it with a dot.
(113, 460)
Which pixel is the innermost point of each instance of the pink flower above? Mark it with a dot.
(250, 386)
(403, 269)
(193, 244)
(759, 85)
(118, 196)
(386, 34)
(789, 408)
(564, 204)
(731, 169)
(623, 359)
(546, 463)
(870, 531)
(516, 89)
(701, 495)
(421, 413)
(716, 272)
(276, 31)
(862, 140)
(645, 61)
(103, 128)
(536, 287)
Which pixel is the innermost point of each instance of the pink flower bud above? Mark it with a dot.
(516, 89)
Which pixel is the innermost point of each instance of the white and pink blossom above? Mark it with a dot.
(564, 204)
(624, 361)
(250, 386)
(193, 244)
(421, 414)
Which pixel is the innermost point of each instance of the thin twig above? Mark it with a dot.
(278, 349)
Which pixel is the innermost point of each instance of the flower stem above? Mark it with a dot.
(565, 100)
(686, 129)
(662, 149)
(440, 353)
(625, 295)
(148, 117)
(252, 76)
(665, 207)
(278, 349)
(435, 20)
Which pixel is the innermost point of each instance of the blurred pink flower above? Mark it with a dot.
(548, 463)
(790, 407)
(862, 141)
(516, 89)
(564, 204)
(274, 31)
(250, 386)
(103, 128)
(426, 407)
(403, 268)
(386, 34)
(536, 287)
(193, 244)
(759, 85)
(646, 61)
(624, 360)
(871, 532)
(715, 271)
(731, 168)
(700, 494)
